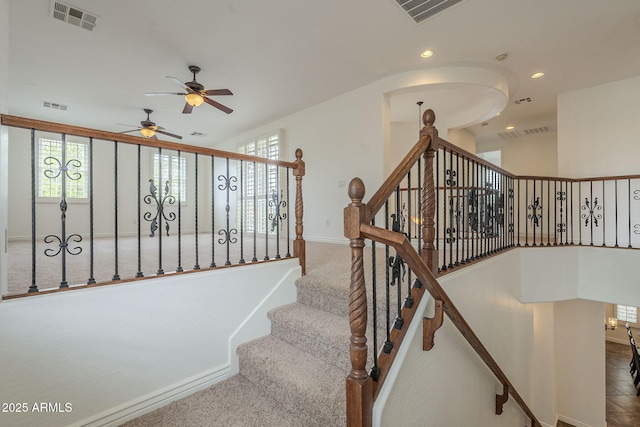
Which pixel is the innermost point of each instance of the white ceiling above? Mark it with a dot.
(281, 56)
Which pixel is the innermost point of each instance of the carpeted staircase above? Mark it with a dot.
(293, 377)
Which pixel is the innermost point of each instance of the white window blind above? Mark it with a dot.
(627, 313)
(174, 170)
(260, 182)
(51, 162)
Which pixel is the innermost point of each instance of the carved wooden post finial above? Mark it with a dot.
(429, 253)
(299, 245)
(359, 383)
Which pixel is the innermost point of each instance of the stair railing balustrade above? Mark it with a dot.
(443, 208)
(147, 207)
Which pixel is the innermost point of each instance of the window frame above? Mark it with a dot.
(41, 167)
(621, 321)
(180, 197)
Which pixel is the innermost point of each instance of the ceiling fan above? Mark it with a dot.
(195, 93)
(149, 129)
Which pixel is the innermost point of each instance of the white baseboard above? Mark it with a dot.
(135, 408)
(322, 239)
(572, 421)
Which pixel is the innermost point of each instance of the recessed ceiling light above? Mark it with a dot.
(537, 75)
(502, 56)
(427, 54)
(510, 127)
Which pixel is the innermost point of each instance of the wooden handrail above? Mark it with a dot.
(44, 126)
(404, 248)
(361, 391)
(297, 169)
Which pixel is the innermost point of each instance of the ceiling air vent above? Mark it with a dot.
(420, 10)
(535, 131)
(200, 134)
(523, 100)
(73, 15)
(509, 135)
(55, 105)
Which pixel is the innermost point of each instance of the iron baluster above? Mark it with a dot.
(228, 185)
(213, 213)
(408, 302)
(616, 210)
(241, 260)
(197, 263)
(629, 199)
(604, 221)
(591, 217)
(179, 268)
(255, 212)
(139, 272)
(561, 227)
(519, 213)
(375, 370)
(548, 212)
(266, 212)
(116, 275)
(91, 280)
(63, 171)
(276, 216)
(33, 287)
(388, 345)
(457, 263)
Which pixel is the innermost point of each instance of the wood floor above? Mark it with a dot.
(623, 406)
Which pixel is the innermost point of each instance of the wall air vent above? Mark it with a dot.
(509, 135)
(73, 15)
(535, 131)
(54, 105)
(421, 10)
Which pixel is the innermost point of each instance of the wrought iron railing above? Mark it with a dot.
(443, 208)
(130, 207)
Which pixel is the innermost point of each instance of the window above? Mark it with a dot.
(51, 163)
(260, 182)
(174, 170)
(626, 313)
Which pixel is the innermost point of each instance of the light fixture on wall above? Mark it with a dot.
(610, 324)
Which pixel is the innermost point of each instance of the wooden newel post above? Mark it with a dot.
(429, 253)
(299, 245)
(359, 383)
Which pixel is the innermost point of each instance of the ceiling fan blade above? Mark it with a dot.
(188, 108)
(129, 126)
(127, 131)
(179, 83)
(169, 134)
(164, 93)
(213, 92)
(217, 105)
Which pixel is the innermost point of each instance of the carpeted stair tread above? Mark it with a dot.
(323, 334)
(232, 403)
(301, 382)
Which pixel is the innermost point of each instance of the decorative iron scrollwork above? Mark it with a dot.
(536, 212)
(160, 208)
(397, 264)
(592, 214)
(63, 245)
(278, 209)
(561, 196)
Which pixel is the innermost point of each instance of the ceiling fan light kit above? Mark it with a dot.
(195, 94)
(194, 99)
(147, 132)
(148, 129)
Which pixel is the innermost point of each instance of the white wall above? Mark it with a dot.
(529, 155)
(4, 144)
(598, 130)
(449, 385)
(531, 325)
(580, 373)
(117, 351)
